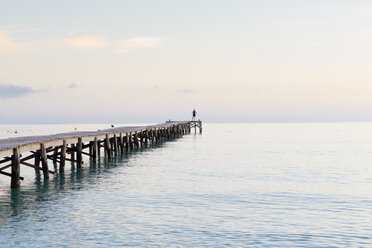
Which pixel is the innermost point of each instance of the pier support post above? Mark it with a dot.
(121, 143)
(79, 154)
(63, 158)
(98, 147)
(127, 144)
(94, 148)
(90, 148)
(107, 147)
(55, 154)
(146, 137)
(16, 168)
(44, 161)
(116, 145)
(72, 153)
(136, 142)
(152, 136)
(37, 162)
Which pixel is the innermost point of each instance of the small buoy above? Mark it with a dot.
(15, 131)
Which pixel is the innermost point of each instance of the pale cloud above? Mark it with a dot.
(86, 42)
(139, 43)
(15, 91)
(6, 43)
(72, 86)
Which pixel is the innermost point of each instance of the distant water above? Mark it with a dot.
(237, 185)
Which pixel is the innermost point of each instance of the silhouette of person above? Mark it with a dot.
(193, 114)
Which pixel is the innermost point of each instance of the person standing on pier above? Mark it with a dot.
(193, 114)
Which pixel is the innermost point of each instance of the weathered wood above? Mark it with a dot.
(86, 153)
(90, 148)
(146, 134)
(116, 146)
(72, 152)
(152, 136)
(35, 167)
(44, 161)
(5, 167)
(9, 174)
(16, 169)
(79, 154)
(121, 143)
(136, 142)
(128, 141)
(55, 147)
(63, 157)
(55, 154)
(99, 147)
(108, 147)
(5, 160)
(37, 161)
(94, 150)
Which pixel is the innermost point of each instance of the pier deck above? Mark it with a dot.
(114, 140)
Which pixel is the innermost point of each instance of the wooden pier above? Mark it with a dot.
(40, 149)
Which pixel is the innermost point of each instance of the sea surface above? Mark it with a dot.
(235, 185)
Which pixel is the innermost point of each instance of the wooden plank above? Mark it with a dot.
(35, 167)
(86, 153)
(5, 167)
(5, 160)
(9, 175)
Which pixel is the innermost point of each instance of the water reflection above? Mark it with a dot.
(14, 202)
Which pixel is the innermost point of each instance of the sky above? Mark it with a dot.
(89, 61)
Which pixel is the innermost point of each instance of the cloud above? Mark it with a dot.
(86, 42)
(138, 43)
(6, 43)
(15, 91)
(184, 91)
(72, 86)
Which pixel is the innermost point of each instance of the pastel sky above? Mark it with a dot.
(147, 61)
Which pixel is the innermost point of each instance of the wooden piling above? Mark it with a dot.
(108, 147)
(116, 145)
(136, 142)
(55, 154)
(121, 143)
(63, 158)
(72, 152)
(37, 161)
(127, 144)
(94, 149)
(98, 147)
(15, 181)
(44, 161)
(79, 154)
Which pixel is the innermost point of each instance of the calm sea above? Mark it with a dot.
(236, 185)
